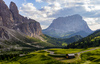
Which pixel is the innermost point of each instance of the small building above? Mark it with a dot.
(70, 56)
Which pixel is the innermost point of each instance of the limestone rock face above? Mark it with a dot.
(1, 23)
(10, 18)
(68, 26)
(29, 28)
(4, 34)
(6, 15)
(15, 13)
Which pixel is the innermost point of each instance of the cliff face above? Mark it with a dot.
(68, 26)
(10, 18)
(15, 13)
(5, 15)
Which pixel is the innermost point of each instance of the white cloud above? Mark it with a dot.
(44, 26)
(91, 21)
(94, 23)
(38, 1)
(95, 27)
(89, 9)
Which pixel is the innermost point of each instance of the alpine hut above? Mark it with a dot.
(69, 56)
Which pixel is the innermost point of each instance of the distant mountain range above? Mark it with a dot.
(65, 27)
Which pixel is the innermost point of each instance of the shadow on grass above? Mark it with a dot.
(43, 57)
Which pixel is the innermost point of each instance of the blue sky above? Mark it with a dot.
(20, 2)
(45, 11)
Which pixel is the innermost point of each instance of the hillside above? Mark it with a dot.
(92, 40)
(65, 27)
(18, 32)
(61, 42)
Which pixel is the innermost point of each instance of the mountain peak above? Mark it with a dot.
(11, 19)
(75, 16)
(70, 25)
(13, 7)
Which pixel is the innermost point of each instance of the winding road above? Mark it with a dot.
(52, 53)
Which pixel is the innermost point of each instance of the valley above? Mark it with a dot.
(58, 57)
(67, 40)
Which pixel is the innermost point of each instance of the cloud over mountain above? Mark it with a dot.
(89, 9)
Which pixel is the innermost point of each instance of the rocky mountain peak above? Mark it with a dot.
(11, 19)
(14, 8)
(15, 12)
(6, 15)
(73, 24)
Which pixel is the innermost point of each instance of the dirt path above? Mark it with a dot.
(52, 53)
(79, 53)
(70, 60)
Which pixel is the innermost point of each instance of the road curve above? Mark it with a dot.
(52, 53)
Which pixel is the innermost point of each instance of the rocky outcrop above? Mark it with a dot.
(29, 28)
(15, 13)
(68, 26)
(10, 18)
(6, 15)
(4, 34)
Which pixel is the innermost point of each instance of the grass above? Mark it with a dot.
(38, 42)
(66, 51)
(40, 57)
(75, 60)
(43, 57)
(93, 56)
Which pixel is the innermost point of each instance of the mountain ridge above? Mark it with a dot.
(70, 24)
(17, 31)
(10, 18)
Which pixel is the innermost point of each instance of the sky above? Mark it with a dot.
(45, 11)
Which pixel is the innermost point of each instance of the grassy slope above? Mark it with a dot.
(92, 57)
(39, 57)
(60, 41)
(92, 40)
(66, 51)
(36, 41)
(42, 57)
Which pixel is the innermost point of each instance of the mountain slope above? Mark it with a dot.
(67, 27)
(11, 19)
(92, 40)
(17, 31)
(61, 42)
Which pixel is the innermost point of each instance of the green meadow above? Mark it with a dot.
(92, 57)
(67, 51)
(43, 57)
(39, 57)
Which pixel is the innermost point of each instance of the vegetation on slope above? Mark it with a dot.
(92, 40)
(43, 57)
(40, 57)
(91, 57)
(66, 51)
(61, 42)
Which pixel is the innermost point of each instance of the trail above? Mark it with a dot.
(78, 54)
(86, 51)
(52, 53)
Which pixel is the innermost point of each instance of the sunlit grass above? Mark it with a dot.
(40, 57)
(66, 51)
(43, 57)
(92, 56)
